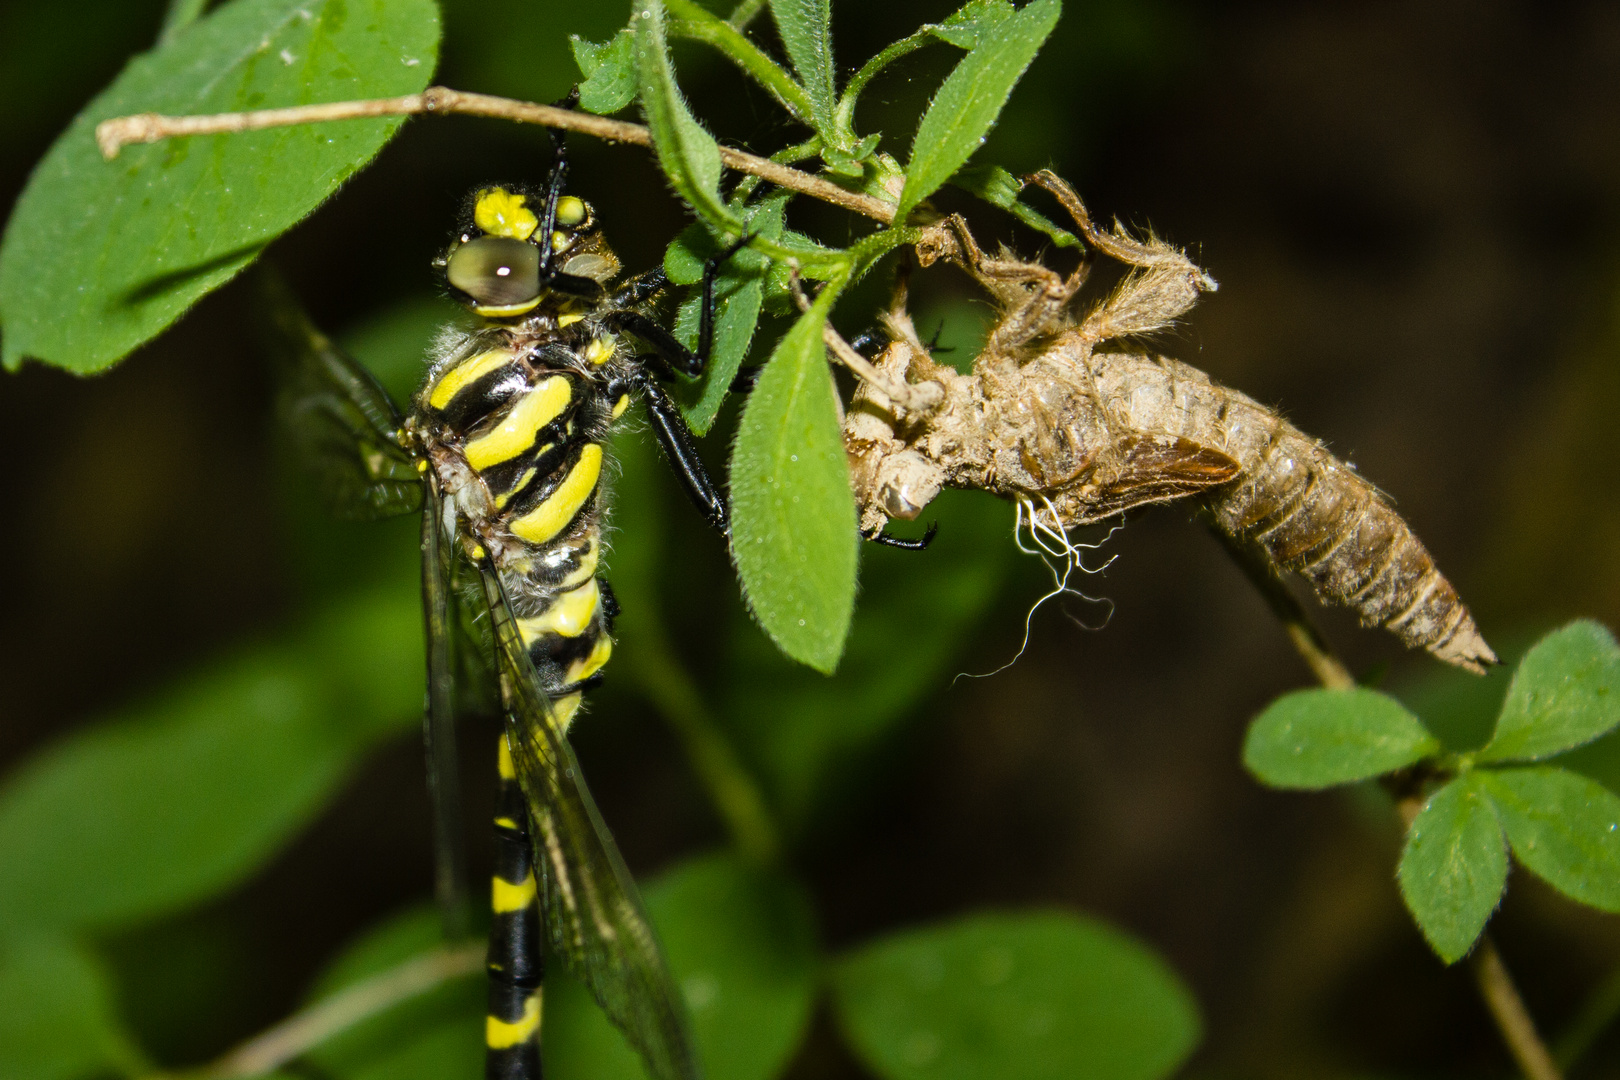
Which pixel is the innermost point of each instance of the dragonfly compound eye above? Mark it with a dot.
(496, 271)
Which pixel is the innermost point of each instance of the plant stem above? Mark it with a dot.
(744, 13)
(1502, 998)
(1507, 1009)
(731, 787)
(694, 22)
(113, 135)
(303, 1031)
(1601, 1009)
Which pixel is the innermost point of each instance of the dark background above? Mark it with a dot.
(1412, 211)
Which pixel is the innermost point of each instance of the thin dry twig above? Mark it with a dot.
(113, 135)
(302, 1032)
(913, 397)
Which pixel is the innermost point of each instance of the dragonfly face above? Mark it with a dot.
(504, 451)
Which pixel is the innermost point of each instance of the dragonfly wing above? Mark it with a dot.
(593, 915)
(439, 721)
(342, 422)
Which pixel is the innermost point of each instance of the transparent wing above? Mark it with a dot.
(439, 721)
(341, 422)
(593, 915)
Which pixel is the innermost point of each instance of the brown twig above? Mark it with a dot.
(302, 1032)
(1496, 987)
(113, 135)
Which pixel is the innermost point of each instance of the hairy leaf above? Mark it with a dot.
(609, 70)
(1016, 997)
(1454, 867)
(966, 107)
(192, 792)
(793, 517)
(101, 256)
(805, 28)
(1564, 827)
(687, 153)
(1314, 739)
(1566, 692)
(974, 23)
(999, 187)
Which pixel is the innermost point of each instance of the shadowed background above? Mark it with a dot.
(1412, 215)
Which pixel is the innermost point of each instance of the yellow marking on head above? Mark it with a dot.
(503, 760)
(506, 311)
(568, 616)
(542, 405)
(464, 374)
(504, 213)
(571, 210)
(502, 500)
(507, 897)
(584, 668)
(600, 350)
(499, 1035)
(560, 240)
(565, 707)
(586, 568)
(545, 521)
(476, 552)
(569, 319)
(619, 406)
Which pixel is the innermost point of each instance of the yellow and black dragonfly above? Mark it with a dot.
(502, 453)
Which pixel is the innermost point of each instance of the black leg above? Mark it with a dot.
(883, 538)
(669, 426)
(670, 352)
(640, 289)
(711, 271)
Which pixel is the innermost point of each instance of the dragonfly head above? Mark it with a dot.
(498, 264)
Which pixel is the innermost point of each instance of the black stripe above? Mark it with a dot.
(516, 962)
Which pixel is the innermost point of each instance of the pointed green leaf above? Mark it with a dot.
(101, 256)
(57, 1020)
(806, 30)
(1564, 827)
(686, 152)
(1313, 739)
(609, 70)
(1566, 692)
(974, 23)
(792, 513)
(1454, 867)
(999, 187)
(192, 792)
(1016, 997)
(966, 107)
(741, 944)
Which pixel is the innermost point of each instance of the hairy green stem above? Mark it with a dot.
(744, 13)
(695, 23)
(844, 115)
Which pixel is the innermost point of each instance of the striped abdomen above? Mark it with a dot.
(1311, 513)
(524, 430)
(516, 962)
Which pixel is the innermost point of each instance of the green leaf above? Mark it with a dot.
(56, 1013)
(609, 70)
(817, 742)
(100, 256)
(1312, 739)
(1454, 867)
(184, 797)
(1564, 827)
(792, 513)
(974, 23)
(1016, 997)
(741, 943)
(805, 27)
(966, 107)
(1566, 692)
(440, 1029)
(999, 187)
(687, 153)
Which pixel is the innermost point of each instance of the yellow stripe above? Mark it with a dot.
(548, 519)
(503, 761)
(599, 351)
(565, 707)
(465, 374)
(499, 1035)
(619, 406)
(516, 434)
(528, 474)
(569, 319)
(590, 665)
(506, 823)
(509, 897)
(505, 311)
(568, 616)
(587, 565)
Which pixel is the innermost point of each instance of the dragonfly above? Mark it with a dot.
(502, 453)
